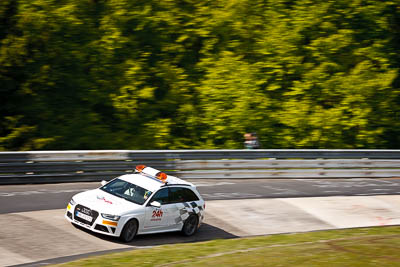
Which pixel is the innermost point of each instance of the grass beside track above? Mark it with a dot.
(375, 246)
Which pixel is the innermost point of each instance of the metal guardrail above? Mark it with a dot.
(96, 165)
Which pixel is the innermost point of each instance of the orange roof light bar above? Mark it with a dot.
(140, 168)
(162, 176)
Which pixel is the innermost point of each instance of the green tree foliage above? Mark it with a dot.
(120, 74)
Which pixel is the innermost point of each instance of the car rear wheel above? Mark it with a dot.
(129, 231)
(190, 226)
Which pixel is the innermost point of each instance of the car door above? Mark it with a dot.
(158, 218)
(185, 203)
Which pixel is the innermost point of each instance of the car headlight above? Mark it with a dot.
(110, 217)
(72, 202)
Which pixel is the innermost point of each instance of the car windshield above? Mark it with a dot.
(127, 191)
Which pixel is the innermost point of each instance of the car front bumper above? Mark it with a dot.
(97, 223)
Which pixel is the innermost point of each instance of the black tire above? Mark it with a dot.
(129, 231)
(191, 225)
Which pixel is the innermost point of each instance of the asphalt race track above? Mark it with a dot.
(34, 231)
(20, 198)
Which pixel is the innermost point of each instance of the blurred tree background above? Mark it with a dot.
(179, 74)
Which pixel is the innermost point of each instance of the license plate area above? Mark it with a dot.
(85, 215)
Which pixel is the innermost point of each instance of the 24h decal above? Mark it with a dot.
(157, 215)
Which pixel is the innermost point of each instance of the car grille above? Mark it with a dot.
(85, 210)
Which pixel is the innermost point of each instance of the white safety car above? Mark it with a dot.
(148, 201)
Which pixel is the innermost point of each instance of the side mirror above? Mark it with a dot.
(155, 204)
(103, 182)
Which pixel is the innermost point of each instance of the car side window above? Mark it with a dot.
(161, 196)
(190, 195)
(179, 194)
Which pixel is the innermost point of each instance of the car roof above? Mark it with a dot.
(146, 180)
(142, 181)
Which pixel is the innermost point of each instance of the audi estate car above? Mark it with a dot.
(145, 202)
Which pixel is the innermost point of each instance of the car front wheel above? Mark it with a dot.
(129, 231)
(190, 225)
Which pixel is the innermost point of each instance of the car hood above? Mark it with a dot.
(104, 202)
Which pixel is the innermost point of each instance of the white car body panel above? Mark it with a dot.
(167, 218)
